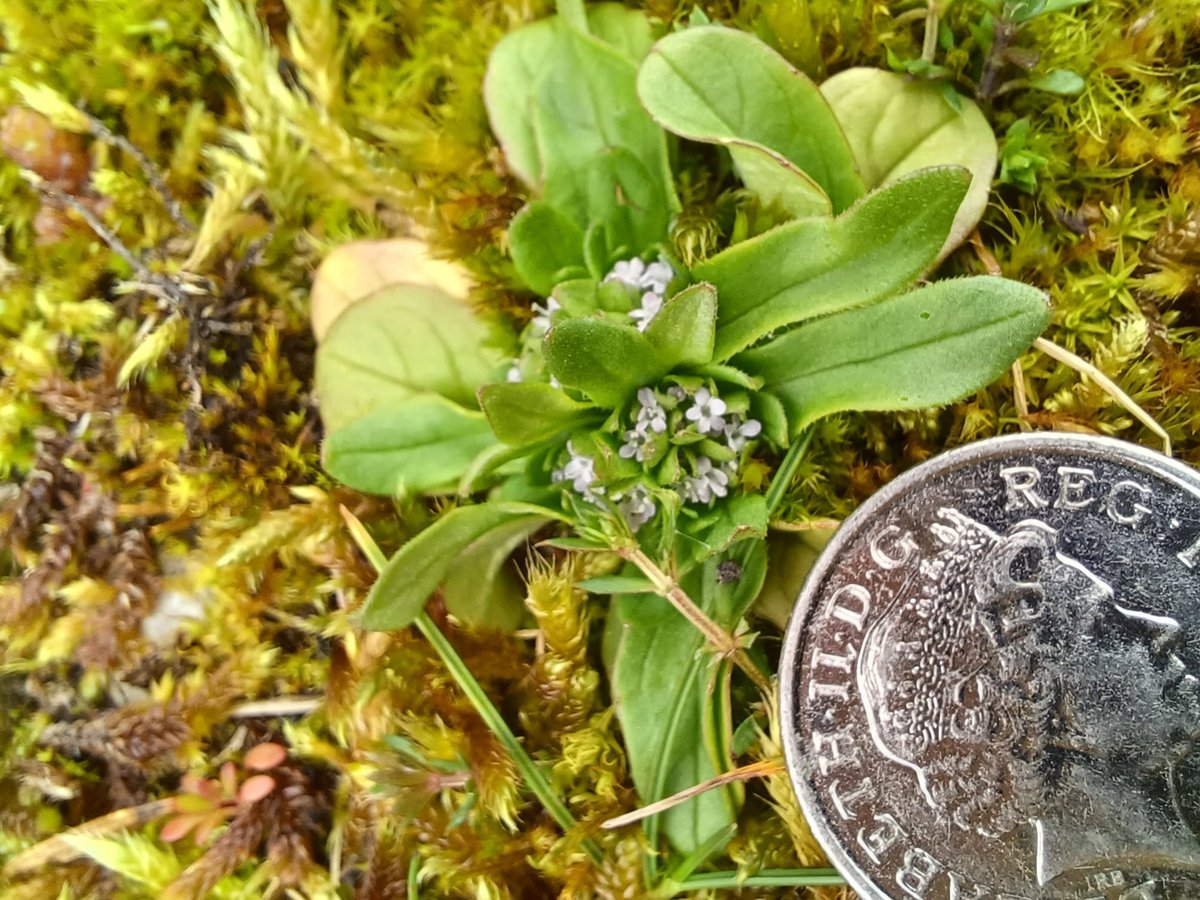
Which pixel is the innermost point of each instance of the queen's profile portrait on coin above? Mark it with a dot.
(1023, 693)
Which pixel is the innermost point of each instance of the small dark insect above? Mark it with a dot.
(728, 572)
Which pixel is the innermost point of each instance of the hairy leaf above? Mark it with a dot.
(417, 568)
(402, 341)
(528, 413)
(420, 444)
(682, 333)
(925, 348)
(727, 87)
(546, 247)
(811, 267)
(897, 126)
(606, 360)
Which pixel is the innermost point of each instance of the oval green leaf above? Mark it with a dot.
(929, 347)
(424, 443)
(812, 267)
(722, 86)
(480, 588)
(527, 413)
(606, 360)
(546, 247)
(683, 332)
(403, 340)
(416, 570)
(896, 126)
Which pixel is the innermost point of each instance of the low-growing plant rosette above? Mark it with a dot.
(642, 406)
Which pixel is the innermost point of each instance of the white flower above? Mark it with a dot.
(657, 276)
(581, 472)
(637, 442)
(708, 482)
(629, 272)
(738, 433)
(652, 305)
(677, 392)
(636, 507)
(650, 412)
(706, 412)
(541, 322)
(514, 373)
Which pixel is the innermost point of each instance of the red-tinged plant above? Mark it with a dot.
(206, 803)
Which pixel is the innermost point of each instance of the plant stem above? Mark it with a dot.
(762, 769)
(929, 44)
(725, 644)
(1106, 384)
(474, 691)
(765, 878)
(787, 470)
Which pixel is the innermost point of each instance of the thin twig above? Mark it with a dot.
(102, 231)
(277, 706)
(1066, 357)
(1020, 401)
(152, 172)
(724, 643)
(58, 849)
(763, 769)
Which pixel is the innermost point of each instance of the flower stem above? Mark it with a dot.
(764, 878)
(533, 776)
(787, 470)
(725, 644)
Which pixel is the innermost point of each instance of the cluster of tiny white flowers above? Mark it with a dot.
(651, 419)
(651, 280)
(708, 480)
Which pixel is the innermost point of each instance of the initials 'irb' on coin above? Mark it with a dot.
(989, 684)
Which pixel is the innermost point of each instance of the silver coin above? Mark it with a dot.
(989, 685)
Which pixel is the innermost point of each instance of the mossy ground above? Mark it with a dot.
(192, 474)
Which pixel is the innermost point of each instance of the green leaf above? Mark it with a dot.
(925, 348)
(603, 158)
(812, 267)
(896, 126)
(409, 577)
(480, 589)
(682, 333)
(616, 584)
(727, 87)
(514, 68)
(424, 443)
(622, 199)
(402, 341)
(662, 680)
(606, 360)
(1024, 10)
(1059, 81)
(561, 101)
(530, 412)
(546, 247)
(626, 30)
